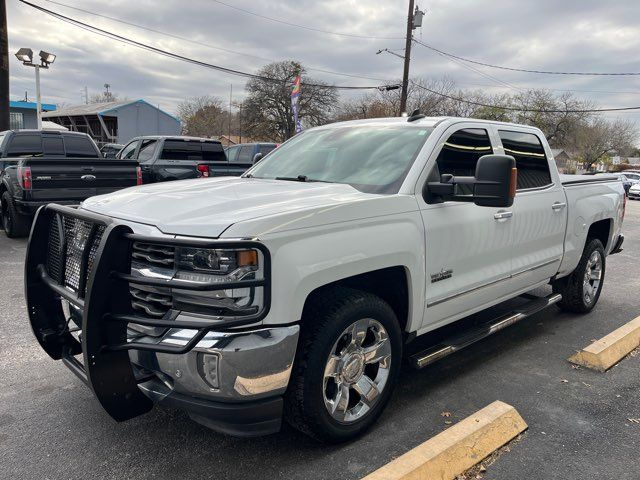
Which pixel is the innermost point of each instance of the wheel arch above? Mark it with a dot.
(391, 284)
(601, 230)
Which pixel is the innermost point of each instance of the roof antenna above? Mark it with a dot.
(415, 115)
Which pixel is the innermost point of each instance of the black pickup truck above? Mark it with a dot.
(166, 158)
(40, 167)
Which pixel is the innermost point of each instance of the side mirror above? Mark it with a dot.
(257, 157)
(496, 181)
(494, 184)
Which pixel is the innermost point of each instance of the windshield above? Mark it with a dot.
(371, 158)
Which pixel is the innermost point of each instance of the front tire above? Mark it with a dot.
(581, 290)
(346, 366)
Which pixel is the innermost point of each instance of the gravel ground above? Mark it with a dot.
(579, 427)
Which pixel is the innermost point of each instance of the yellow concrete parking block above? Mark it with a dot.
(458, 448)
(606, 352)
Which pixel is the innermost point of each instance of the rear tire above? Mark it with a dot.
(581, 290)
(350, 343)
(15, 225)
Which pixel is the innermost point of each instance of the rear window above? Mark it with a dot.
(53, 145)
(79, 146)
(180, 150)
(246, 154)
(25, 146)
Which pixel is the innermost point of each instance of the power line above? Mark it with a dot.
(203, 44)
(176, 56)
(517, 109)
(622, 74)
(313, 29)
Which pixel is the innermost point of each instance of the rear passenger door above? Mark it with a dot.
(539, 210)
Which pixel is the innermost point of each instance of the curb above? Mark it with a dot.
(603, 354)
(460, 447)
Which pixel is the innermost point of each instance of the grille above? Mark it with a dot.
(153, 303)
(154, 255)
(150, 301)
(64, 254)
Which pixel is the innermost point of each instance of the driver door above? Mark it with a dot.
(468, 247)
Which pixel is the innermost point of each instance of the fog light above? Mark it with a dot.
(209, 369)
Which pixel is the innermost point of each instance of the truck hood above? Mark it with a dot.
(208, 207)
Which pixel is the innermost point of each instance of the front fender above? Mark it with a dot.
(307, 259)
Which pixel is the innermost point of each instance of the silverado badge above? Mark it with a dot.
(441, 275)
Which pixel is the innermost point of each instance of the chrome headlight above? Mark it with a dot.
(204, 265)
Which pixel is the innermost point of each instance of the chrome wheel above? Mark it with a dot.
(357, 370)
(592, 277)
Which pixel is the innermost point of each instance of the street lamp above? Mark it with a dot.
(25, 55)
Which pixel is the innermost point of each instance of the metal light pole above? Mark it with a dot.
(25, 55)
(4, 69)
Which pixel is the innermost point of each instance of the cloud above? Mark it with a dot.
(585, 35)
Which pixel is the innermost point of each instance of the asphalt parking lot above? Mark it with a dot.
(579, 427)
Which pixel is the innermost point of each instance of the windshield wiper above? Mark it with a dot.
(301, 178)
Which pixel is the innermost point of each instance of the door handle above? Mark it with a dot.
(502, 215)
(558, 206)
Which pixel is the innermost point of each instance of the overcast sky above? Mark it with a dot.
(570, 35)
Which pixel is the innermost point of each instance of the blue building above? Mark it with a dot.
(23, 114)
(116, 122)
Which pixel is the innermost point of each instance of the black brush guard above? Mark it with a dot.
(106, 307)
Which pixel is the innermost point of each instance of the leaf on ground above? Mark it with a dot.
(445, 414)
(564, 380)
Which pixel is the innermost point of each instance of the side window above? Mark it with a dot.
(146, 150)
(460, 154)
(232, 153)
(129, 150)
(181, 150)
(25, 146)
(79, 146)
(532, 163)
(2, 136)
(246, 154)
(264, 149)
(53, 145)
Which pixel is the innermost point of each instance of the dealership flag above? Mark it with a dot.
(295, 95)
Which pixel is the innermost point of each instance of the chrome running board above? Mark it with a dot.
(462, 340)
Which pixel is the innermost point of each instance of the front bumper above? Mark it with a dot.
(82, 258)
(633, 194)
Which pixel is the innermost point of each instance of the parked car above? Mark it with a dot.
(626, 182)
(249, 153)
(634, 191)
(38, 167)
(297, 289)
(166, 158)
(632, 176)
(110, 150)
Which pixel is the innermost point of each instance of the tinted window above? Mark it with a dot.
(25, 146)
(146, 150)
(53, 145)
(79, 146)
(460, 154)
(129, 150)
(179, 150)
(526, 148)
(264, 149)
(633, 176)
(246, 154)
(213, 151)
(232, 153)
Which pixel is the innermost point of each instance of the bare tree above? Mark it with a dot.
(203, 116)
(267, 112)
(103, 97)
(597, 139)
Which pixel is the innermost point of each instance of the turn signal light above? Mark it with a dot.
(247, 258)
(138, 176)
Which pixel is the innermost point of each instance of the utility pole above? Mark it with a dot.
(407, 59)
(4, 68)
(38, 99)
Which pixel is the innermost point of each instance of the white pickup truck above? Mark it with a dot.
(297, 290)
